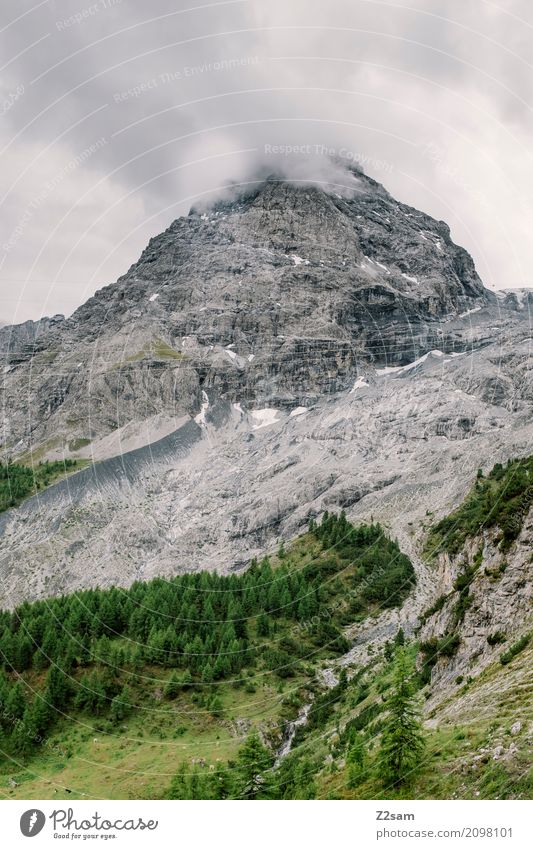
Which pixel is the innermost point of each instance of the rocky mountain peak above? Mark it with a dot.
(274, 295)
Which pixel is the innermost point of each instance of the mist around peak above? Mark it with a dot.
(330, 174)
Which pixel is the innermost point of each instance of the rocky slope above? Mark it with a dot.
(17, 340)
(278, 353)
(500, 604)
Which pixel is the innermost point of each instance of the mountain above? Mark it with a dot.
(274, 298)
(283, 352)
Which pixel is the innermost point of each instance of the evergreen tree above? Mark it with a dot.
(222, 667)
(207, 673)
(179, 786)
(24, 654)
(388, 651)
(295, 778)
(58, 687)
(42, 714)
(120, 706)
(263, 625)
(252, 770)
(16, 702)
(192, 784)
(216, 707)
(24, 734)
(187, 681)
(355, 759)
(172, 687)
(402, 740)
(220, 783)
(40, 661)
(91, 694)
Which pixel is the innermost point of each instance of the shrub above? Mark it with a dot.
(515, 649)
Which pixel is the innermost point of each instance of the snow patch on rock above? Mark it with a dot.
(264, 418)
(469, 312)
(409, 366)
(359, 384)
(200, 418)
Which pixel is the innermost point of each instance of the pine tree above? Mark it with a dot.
(178, 786)
(222, 667)
(207, 673)
(295, 778)
(355, 759)
(263, 625)
(219, 782)
(24, 654)
(58, 687)
(388, 651)
(402, 740)
(91, 694)
(24, 734)
(120, 706)
(172, 687)
(216, 707)
(253, 764)
(42, 714)
(16, 702)
(40, 661)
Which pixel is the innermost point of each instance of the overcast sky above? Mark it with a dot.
(116, 116)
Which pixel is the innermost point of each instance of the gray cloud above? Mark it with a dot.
(116, 117)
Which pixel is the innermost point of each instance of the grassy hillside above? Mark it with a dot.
(477, 742)
(501, 499)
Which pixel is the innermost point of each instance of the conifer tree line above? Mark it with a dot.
(501, 498)
(18, 481)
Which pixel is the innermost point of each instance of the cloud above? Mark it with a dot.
(175, 103)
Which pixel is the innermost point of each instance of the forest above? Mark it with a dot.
(85, 652)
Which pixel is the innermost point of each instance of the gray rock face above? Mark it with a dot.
(17, 341)
(501, 602)
(277, 354)
(274, 298)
